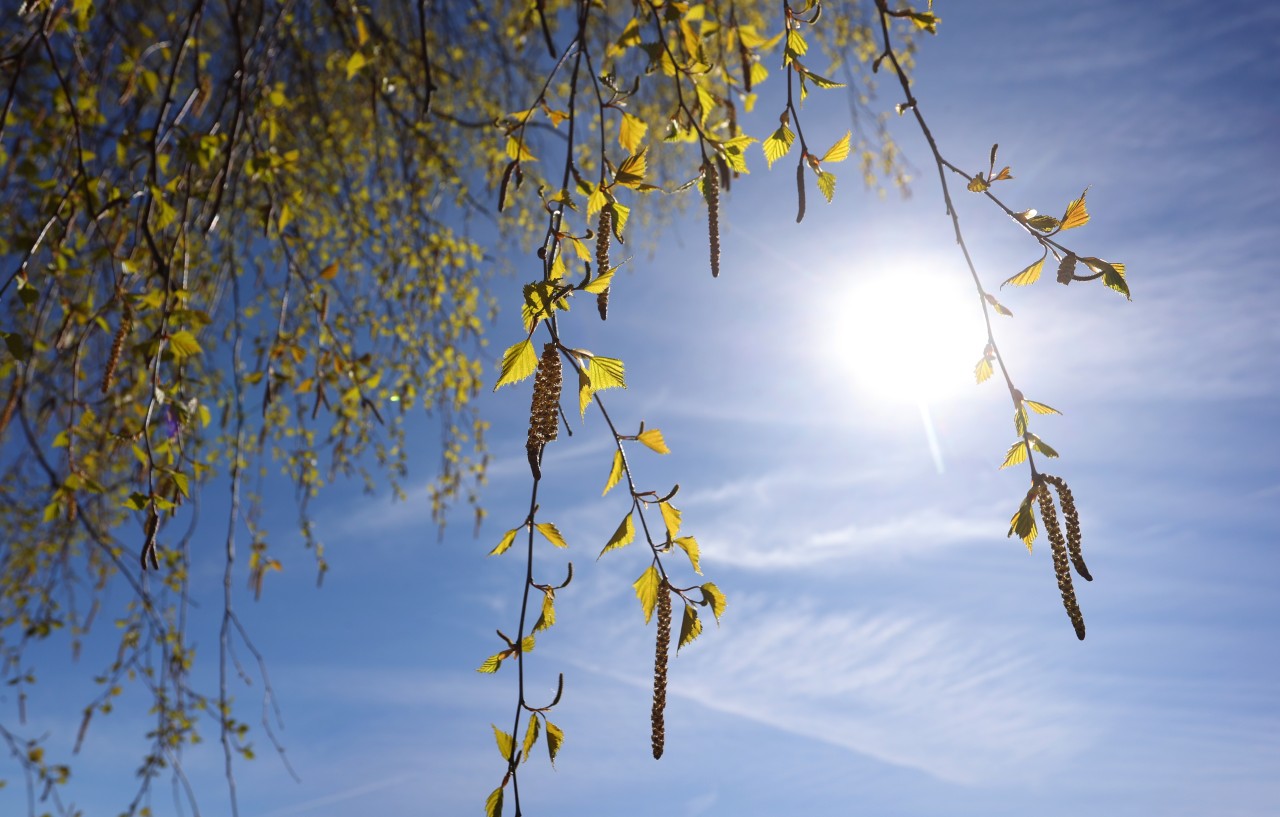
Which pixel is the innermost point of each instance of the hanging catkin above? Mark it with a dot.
(1068, 503)
(1061, 567)
(602, 258)
(117, 346)
(711, 190)
(544, 413)
(660, 670)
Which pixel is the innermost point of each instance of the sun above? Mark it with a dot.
(908, 335)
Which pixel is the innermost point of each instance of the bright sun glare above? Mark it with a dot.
(909, 336)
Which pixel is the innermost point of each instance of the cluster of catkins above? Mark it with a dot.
(544, 413)
(660, 670)
(1066, 551)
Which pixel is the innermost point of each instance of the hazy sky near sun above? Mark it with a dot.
(886, 650)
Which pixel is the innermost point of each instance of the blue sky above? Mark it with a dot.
(886, 650)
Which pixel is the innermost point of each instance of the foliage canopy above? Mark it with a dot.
(261, 231)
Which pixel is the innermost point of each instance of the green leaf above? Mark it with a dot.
(690, 626)
(652, 439)
(647, 587)
(1020, 420)
(1113, 276)
(183, 345)
(555, 737)
(827, 184)
(508, 539)
(17, 345)
(690, 547)
(712, 595)
(531, 735)
(553, 535)
(778, 144)
(623, 536)
(631, 171)
(493, 806)
(1029, 275)
(820, 81)
(839, 151)
(518, 362)
(505, 743)
(670, 517)
(1017, 454)
(1040, 408)
(615, 473)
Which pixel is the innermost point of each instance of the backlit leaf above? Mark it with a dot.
(1045, 224)
(631, 134)
(1040, 408)
(1029, 275)
(670, 517)
(715, 598)
(494, 661)
(623, 536)
(647, 587)
(690, 626)
(548, 615)
(827, 184)
(997, 306)
(1076, 214)
(518, 362)
(552, 533)
(354, 63)
(978, 184)
(652, 438)
(1020, 420)
(183, 345)
(983, 370)
(926, 20)
(1017, 454)
(777, 145)
(839, 151)
(631, 171)
(1023, 523)
(690, 547)
(606, 373)
(615, 473)
(508, 539)
(600, 283)
(1041, 446)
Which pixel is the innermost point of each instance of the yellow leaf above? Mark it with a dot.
(552, 533)
(690, 626)
(606, 373)
(978, 184)
(600, 283)
(653, 439)
(330, 272)
(715, 598)
(631, 171)
(1076, 215)
(670, 517)
(1017, 454)
(1029, 275)
(1023, 522)
(777, 145)
(531, 735)
(623, 536)
(555, 737)
(183, 345)
(493, 805)
(354, 63)
(518, 362)
(839, 151)
(615, 473)
(690, 547)
(647, 588)
(505, 743)
(508, 539)
(516, 149)
(1040, 408)
(983, 370)
(548, 616)
(827, 184)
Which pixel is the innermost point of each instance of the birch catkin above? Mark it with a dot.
(1072, 518)
(660, 671)
(1061, 567)
(602, 258)
(711, 189)
(117, 346)
(545, 411)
